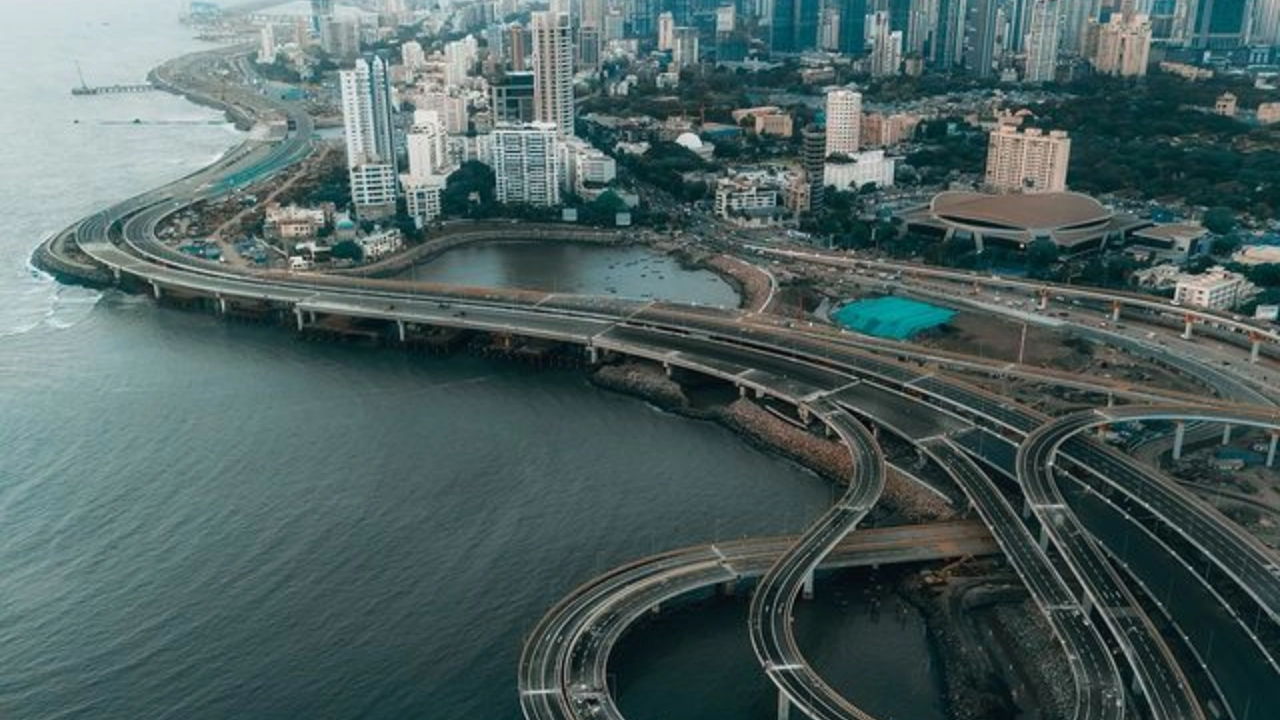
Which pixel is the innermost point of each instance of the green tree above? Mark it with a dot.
(471, 177)
(348, 250)
(1041, 256)
(1220, 220)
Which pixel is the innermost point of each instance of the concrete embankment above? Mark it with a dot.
(52, 256)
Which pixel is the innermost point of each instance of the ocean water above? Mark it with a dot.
(204, 520)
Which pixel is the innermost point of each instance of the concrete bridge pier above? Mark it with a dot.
(1186, 331)
(1226, 434)
(1115, 311)
(1044, 538)
(400, 329)
(728, 588)
(1255, 348)
(1271, 450)
(804, 414)
(593, 355)
(1179, 434)
(806, 590)
(1044, 300)
(1026, 508)
(222, 305)
(784, 706)
(115, 272)
(297, 313)
(742, 391)
(666, 367)
(155, 289)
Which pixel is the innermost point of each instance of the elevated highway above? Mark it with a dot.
(771, 357)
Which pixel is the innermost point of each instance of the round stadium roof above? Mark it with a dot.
(1020, 212)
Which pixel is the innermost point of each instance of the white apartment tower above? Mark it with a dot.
(1029, 161)
(844, 121)
(526, 164)
(1042, 41)
(367, 127)
(684, 49)
(428, 145)
(553, 70)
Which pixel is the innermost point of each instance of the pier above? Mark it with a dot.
(84, 90)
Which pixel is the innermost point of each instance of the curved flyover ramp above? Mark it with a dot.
(772, 633)
(564, 663)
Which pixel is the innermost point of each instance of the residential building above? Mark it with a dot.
(746, 203)
(886, 46)
(684, 50)
(1226, 105)
(844, 121)
(553, 71)
(1124, 46)
(1029, 161)
(412, 56)
(814, 154)
(585, 170)
(1216, 289)
(379, 243)
(512, 98)
(428, 145)
(1268, 113)
(525, 163)
(367, 120)
(852, 29)
(855, 171)
(340, 39)
(290, 222)
(422, 197)
(1042, 42)
(666, 31)
(880, 131)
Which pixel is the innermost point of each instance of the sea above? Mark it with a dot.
(210, 520)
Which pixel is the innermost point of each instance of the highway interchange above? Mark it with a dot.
(1122, 664)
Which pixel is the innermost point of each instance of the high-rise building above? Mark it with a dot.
(666, 31)
(1042, 42)
(267, 44)
(922, 23)
(321, 12)
(428, 145)
(1028, 161)
(853, 24)
(726, 19)
(412, 56)
(512, 98)
(340, 39)
(1264, 27)
(886, 46)
(844, 121)
(1124, 46)
(1220, 23)
(553, 70)
(588, 47)
(1073, 23)
(460, 58)
(947, 48)
(517, 48)
(684, 51)
(794, 25)
(984, 41)
(814, 148)
(367, 124)
(525, 164)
